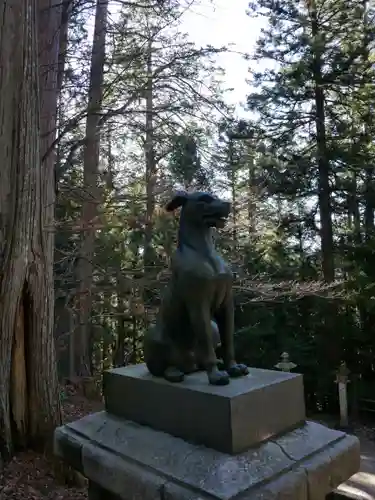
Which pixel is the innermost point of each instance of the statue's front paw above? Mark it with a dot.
(237, 370)
(218, 377)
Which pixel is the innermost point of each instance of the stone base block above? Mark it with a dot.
(130, 462)
(230, 419)
(96, 492)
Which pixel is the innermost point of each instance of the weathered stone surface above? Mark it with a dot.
(199, 467)
(344, 464)
(173, 491)
(230, 419)
(69, 446)
(111, 474)
(289, 486)
(133, 462)
(306, 440)
(334, 465)
(96, 492)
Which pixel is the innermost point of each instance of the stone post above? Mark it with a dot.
(342, 380)
(285, 365)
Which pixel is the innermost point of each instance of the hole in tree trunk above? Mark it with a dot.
(18, 386)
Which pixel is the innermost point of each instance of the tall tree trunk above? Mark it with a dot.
(62, 315)
(251, 203)
(299, 237)
(330, 342)
(324, 195)
(233, 185)
(29, 398)
(119, 348)
(91, 192)
(354, 218)
(369, 203)
(368, 125)
(151, 174)
(150, 162)
(366, 310)
(66, 10)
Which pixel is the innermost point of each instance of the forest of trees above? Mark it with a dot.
(107, 108)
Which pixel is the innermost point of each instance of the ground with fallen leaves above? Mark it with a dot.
(29, 475)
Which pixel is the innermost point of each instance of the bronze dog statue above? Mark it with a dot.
(197, 312)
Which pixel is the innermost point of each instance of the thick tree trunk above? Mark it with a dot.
(46, 394)
(91, 194)
(330, 342)
(29, 398)
(326, 232)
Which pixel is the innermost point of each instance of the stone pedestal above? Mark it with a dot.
(248, 440)
(230, 419)
(136, 462)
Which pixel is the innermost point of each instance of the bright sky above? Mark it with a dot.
(224, 22)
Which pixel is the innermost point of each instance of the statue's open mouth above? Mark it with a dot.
(216, 219)
(220, 222)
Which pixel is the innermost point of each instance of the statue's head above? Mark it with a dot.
(200, 208)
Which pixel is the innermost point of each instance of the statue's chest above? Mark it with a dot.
(220, 269)
(212, 268)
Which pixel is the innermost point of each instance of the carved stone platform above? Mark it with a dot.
(192, 441)
(230, 418)
(128, 461)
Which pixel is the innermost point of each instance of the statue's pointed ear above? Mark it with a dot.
(178, 200)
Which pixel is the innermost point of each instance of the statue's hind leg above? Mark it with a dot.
(175, 371)
(188, 362)
(173, 374)
(216, 345)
